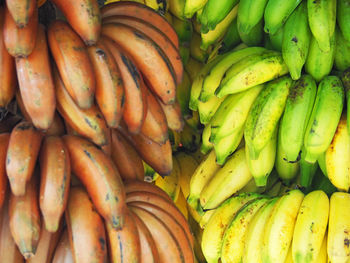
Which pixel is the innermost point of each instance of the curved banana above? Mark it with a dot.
(231, 38)
(276, 39)
(307, 170)
(342, 51)
(21, 11)
(187, 165)
(208, 109)
(255, 36)
(250, 13)
(206, 145)
(343, 18)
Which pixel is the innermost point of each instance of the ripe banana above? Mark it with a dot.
(343, 18)
(324, 118)
(279, 229)
(296, 40)
(21, 11)
(251, 71)
(265, 114)
(187, 165)
(250, 13)
(207, 109)
(342, 51)
(229, 179)
(192, 6)
(206, 145)
(310, 227)
(63, 251)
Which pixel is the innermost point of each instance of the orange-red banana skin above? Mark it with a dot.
(124, 244)
(25, 221)
(126, 158)
(4, 142)
(63, 251)
(152, 62)
(36, 83)
(21, 157)
(85, 228)
(173, 116)
(84, 17)
(21, 106)
(57, 126)
(109, 84)
(100, 176)
(20, 42)
(21, 11)
(55, 175)
(137, 186)
(73, 63)
(8, 79)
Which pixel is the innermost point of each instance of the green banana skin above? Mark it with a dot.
(255, 36)
(265, 114)
(322, 18)
(192, 6)
(296, 40)
(252, 71)
(250, 13)
(277, 39)
(343, 17)
(215, 75)
(277, 13)
(319, 63)
(206, 145)
(307, 170)
(231, 38)
(184, 51)
(342, 51)
(345, 78)
(296, 115)
(183, 28)
(325, 116)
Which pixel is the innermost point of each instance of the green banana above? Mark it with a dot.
(206, 145)
(277, 12)
(214, 12)
(213, 78)
(324, 117)
(229, 179)
(207, 109)
(296, 40)
(250, 13)
(183, 92)
(319, 63)
(236, 232)
(213, 36)
(232, 113)
(277, 39)
(177, 8)
(322, 18)
(215, 228)
(251, 71)
(227, 145)
(296, 115)
(183, 29)
(184, 51)
(192, 6)
(321, 160)
(342, 51)
(255, 35)
(231, 38)
(307, 170)
(195, 50)
(345, 78)
(343, 18)
(265, 114)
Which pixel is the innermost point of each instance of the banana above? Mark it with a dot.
(255, 36)
(100, 176)
(338, 228)
(277, 39)
(343, 18)
(232, 113)
(214, 12)
(231, 38)
(251, 71)
(36, 83)
(236, 232)
(296, 40)
(345, 77)
(324, 118)
(342, 51)
(203, 174)
(279, 229)
(4, 142)
(81, 217)
(192, 67)
(192, 6)
(137, 186)
(183, 28)
(261, 167)
(205, 218)
(181, 204)
(277, 12)
(229, 179)
(73, 63)
(57, 127)
(187, 165)
(195, 51)
(208, 109)
(21, 156)
(216, 73)
(250, 13)
(20, 42)
(337, 157)
(307, 170)
(63, 251)
(319, 63)
(322, 255)
(310, 227)
(296, 115)
(21, 11)
(265, 114)
(255, 233)
(206, 145)
(177, 8)
(214, 230)
(322, 20)
(214, 36)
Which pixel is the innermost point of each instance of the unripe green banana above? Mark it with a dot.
(192, 6)
(343, 17)
(296, 40)
(307, 170)
(183, 29)
(183, 93)
(322, 18)
(345, 78)
(264, 115)
(277, 13)
(255, 35)
(215, 75)
(296, 115)
(277, 39)
(184, 51)
(319, 63)
(250, 13)
(231, 38)
(206, 145)
(342, 51)
(207, 109)
(324, 117)
(232, 113)
(251, 71)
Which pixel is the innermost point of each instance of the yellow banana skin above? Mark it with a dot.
(206, 145)
(192, 6)
(280, 226)
(207, 109)
(310, 227)
(215, 228)
(324, 117)
(339, 228)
